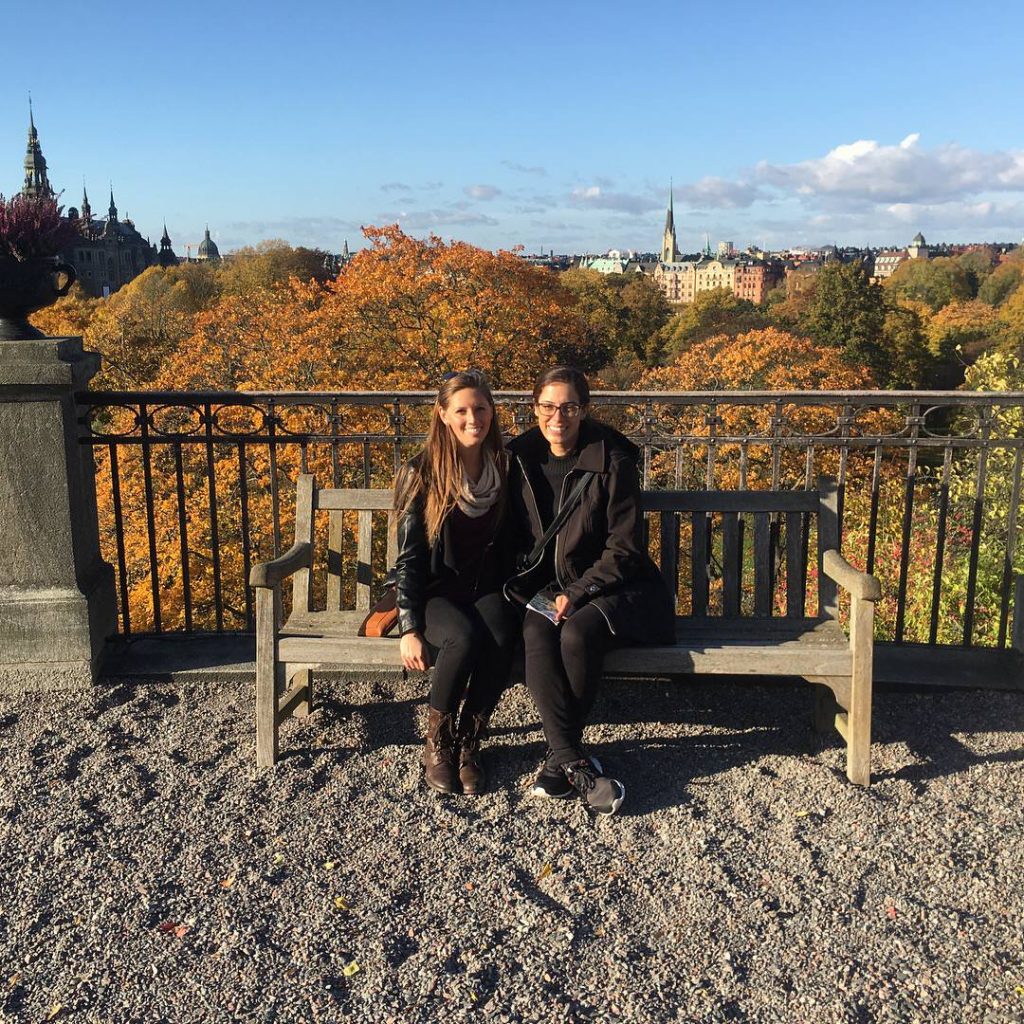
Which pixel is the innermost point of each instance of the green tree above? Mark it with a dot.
(848, 313)
(711, 313)
(1002, 283)
(935, 282)
(977, 264)
(911, 364)
(269, 264)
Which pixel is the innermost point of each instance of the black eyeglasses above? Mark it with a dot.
(570, 410)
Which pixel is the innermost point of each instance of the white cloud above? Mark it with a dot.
(523, 168)
(482, 191)
(595, 197)
(869, 172)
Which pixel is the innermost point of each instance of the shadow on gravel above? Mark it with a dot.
(944, 755)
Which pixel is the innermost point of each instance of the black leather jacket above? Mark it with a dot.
(600, 554)
(421, 568)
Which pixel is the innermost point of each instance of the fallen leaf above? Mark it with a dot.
(181, 931)
(54, 1010)
(801, 814)
(166, 926)
(349, 969)
(228, 882)
(892, 912)
(278, 858)
(341, 903)
(544, 872)
(1019, 990)
(13, 980)
(329, 865)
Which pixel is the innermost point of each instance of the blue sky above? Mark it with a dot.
(554, 125)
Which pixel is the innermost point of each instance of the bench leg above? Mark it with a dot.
(303, 678)
(825, 708)
(858, 740)
(266, 678)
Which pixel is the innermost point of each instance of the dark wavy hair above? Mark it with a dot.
(570, 375)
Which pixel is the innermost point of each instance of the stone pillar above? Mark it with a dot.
(57, 602)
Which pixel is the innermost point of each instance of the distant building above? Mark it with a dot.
(108, 252)
(167, 258)
(918, 249)
(208, 248)
(669, 249)
(753, 281)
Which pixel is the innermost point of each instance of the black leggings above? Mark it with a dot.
(563, 668)
(471, 642)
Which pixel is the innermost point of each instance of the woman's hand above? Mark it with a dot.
(414, 652)
(563, 607)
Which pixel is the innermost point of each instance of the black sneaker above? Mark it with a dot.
(551, 782)
(602, 794)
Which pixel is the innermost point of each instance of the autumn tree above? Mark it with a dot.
(936, 282)
(269, 264)
(1002, 282)
(714, 312)
(405, 311)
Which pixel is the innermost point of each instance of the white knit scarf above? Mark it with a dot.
(476, 498)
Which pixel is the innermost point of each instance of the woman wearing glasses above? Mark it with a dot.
(451, 563)
(591, 587)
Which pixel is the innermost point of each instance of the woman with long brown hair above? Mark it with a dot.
(451, 563)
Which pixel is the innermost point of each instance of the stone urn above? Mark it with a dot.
(27, 286)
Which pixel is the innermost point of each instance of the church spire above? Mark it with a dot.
(37, 184)
(86, 208)
(112, 210)
(669, 251)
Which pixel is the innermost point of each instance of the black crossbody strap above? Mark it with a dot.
(559, 521)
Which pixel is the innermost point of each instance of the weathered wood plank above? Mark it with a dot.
(670, 550)
(1017, 636)
(732, 564)
(828, 540)
(305, 497)
(335, 554)
(354, 498)
(266, 676)
(762, 565)
(858, 748)
(699, 562)
(364, 567)
(795, 579)
(729, 501)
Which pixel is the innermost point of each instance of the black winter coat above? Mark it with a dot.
(600, 555)
(421, 569)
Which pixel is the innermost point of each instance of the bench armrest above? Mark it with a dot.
(858, 583)
(269, 574)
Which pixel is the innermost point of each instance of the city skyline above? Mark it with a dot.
(548, 128)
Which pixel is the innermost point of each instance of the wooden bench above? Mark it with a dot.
(733, 627)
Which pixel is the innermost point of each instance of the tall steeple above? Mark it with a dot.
(36, 182)
(86, 213)
(112, 210)
(669, 252)
(167, 257)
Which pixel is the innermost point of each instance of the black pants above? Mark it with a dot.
(563, 669)
(472, 644)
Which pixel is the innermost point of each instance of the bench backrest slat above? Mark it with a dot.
(732, 562)
(701, 530)
(796, 559)
(764, 576)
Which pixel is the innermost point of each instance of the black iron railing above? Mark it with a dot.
(195, 486)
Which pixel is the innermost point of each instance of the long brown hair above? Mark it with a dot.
(436, 475)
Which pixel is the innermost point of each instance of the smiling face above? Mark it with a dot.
(468, 416)
(553, 409)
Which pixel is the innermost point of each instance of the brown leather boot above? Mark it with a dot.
(472, 730)
(440, 754)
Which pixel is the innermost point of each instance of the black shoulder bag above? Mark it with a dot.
(559, 521)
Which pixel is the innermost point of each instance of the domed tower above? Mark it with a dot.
(918, 248)
(208, 247)
(37, 184)
(166, 257)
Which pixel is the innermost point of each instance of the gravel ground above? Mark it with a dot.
(150, 873)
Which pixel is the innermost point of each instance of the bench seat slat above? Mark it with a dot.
(729, 501)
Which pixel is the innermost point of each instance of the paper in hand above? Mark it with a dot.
(544, 605)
